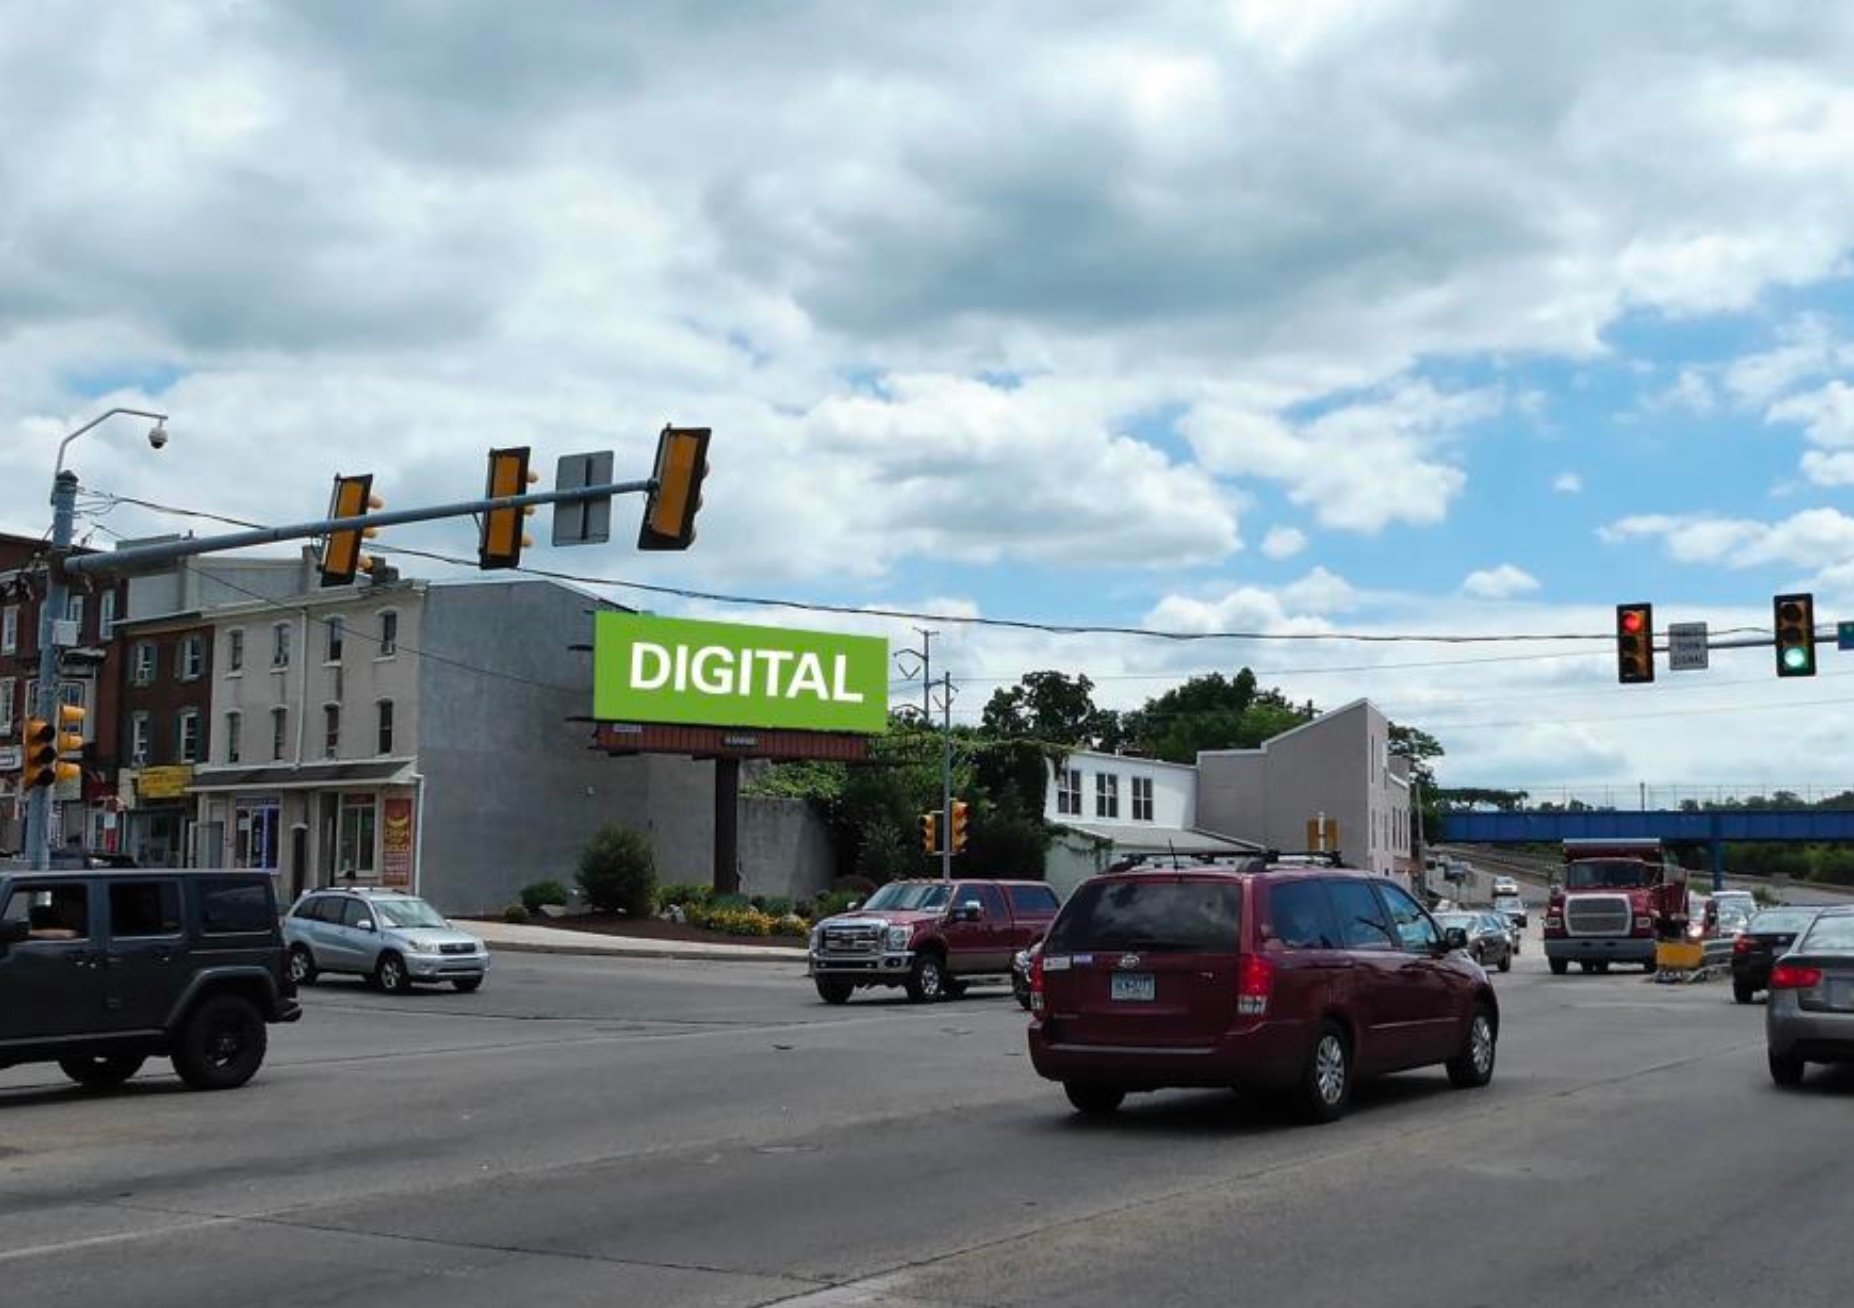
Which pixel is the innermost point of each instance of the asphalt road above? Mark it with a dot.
(622, 1132)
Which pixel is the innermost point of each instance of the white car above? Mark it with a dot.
(1505, 886)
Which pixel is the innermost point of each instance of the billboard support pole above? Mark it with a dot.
(727, 825)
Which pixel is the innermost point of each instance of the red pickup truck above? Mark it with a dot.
(931, 937)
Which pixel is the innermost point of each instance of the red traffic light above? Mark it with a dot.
(1632, 621)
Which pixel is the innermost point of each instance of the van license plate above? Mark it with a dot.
(1135, 987)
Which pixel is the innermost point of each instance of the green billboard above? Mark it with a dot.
(650, 669)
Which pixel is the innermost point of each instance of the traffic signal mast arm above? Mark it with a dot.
(141, 556)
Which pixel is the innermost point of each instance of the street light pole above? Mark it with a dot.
(51, 611)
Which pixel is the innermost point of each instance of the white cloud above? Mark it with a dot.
(1284, 542)
(1568, 483)
(1503, 582)
(1810, 538)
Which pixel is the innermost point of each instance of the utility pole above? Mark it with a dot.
(51, 611)
(946, 776)
(924, 671)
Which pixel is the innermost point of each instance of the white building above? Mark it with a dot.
(1106, 807)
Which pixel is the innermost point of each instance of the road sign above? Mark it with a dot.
(1844, 635)
(587, 522)
(1686, 646)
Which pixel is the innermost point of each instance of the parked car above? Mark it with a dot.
(101, 970)
(1511, 905)
(393, 939)
(1769, 934)
(933, 938)
(1810, 1016)
(1490, 942)
(1265, 978)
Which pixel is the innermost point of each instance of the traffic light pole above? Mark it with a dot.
(946, 776)
(45, 701)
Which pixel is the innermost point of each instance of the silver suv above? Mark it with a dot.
(390, 937)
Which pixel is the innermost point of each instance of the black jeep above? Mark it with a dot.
(100, 969)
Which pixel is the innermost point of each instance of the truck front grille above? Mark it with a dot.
(1598, 915)
(852, 940)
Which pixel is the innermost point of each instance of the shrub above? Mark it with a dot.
(731, 901)
(835, 902)
(685, 897)
(516, 914)
(792, 925)
(807, 909)
(854, 887)
(617, 872)
(773, 905)
(543, 892)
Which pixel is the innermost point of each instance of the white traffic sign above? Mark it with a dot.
(1686, 646)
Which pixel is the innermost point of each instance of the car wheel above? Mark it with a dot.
(390, 974)
(1559, 966)
(468, 985)
(1326, 1081)
(1786, 1070)
(302, 965)
(1742, 991)
(834, 990)
(222, 1044)
(102, 1071)
(1473, 1067)
(1092, 1099)
(1020, 990)
(1506, 961)
(926, 983)
(1601, 967)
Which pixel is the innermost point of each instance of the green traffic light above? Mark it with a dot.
(1795, 658)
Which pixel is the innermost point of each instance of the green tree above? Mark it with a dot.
(1210, 712)
(1052, 707)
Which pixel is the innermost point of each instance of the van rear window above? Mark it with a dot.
(1197, 917)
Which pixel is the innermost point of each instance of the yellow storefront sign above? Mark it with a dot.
(164, 782)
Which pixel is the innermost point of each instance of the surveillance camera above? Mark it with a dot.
(157, 436)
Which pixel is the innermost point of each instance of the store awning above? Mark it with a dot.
(310, 776)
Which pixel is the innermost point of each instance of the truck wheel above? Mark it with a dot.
(926, 983)
(835, 990)
(953, 988)
(1601, 966)
(1742, 991)
(1326, 1081)
(221, 1044)
(1473, 1067)
(102, 1071)
(1092, 1099)
(1020, 990)
(1559, 966)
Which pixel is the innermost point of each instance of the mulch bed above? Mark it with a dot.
(651, 928)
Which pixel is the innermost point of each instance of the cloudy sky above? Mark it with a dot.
(1293, 317)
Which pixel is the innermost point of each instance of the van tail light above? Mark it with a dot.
(1791, 976)
(1036, 982)
(1742, 945)
(1255, 981)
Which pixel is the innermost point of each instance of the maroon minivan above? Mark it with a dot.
(1259, 977)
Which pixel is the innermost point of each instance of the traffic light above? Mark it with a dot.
(1795, 623)
(341, 550)
(962, 816)
(1634, 643)
(503, 535)
(669, 513)
(930, 832)
(46, 748)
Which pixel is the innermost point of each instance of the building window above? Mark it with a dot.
(106, 615)
(331, 730)
(7, 687)
(74, 610)
(389, 634)
(355, 842)
(234, 651)
(1142, 799)
(279, 721)
(386, 726)
(234, 733)
(9, 629)
(192, 658)
(336, 629)
(280, 645)
(1106, 795)
(144, 673)
(1068, 792)
(187, 737)
(138, 740)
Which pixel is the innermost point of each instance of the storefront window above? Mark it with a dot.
(356, 839)
(254, 838)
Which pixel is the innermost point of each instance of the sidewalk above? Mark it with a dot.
(507, 937)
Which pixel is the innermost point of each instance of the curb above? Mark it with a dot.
(697, 955)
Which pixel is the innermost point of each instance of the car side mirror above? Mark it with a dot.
(853, 905)
(1455, 937)
(970, 911)
(365, 924)
(13, 931)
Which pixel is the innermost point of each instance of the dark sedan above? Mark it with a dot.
(1810, 1016)
(1769, 934)
(1489, 942)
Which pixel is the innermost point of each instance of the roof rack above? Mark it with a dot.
(1236, 861)
(1309, 857)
